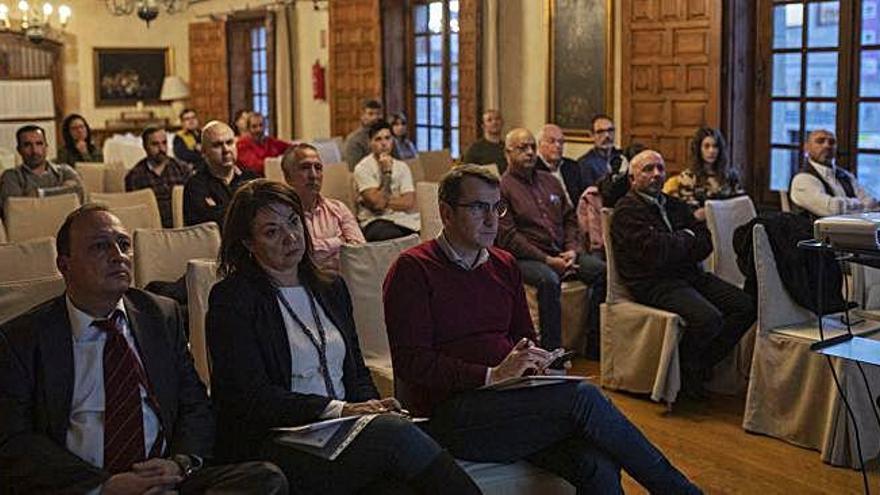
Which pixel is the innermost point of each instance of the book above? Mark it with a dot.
(532, 381)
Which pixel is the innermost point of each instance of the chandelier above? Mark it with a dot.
(34, 22)
(147, 10)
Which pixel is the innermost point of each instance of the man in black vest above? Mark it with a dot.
(822, 188)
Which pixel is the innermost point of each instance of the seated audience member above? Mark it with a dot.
(256, 146)
(601, 160)
(710, 176)
(36, 175)
(207, 193)
(285, 353)
(551, 147)
(78, 145)
(329, 221)
(240, 123)
(404, 149)
(659, 242)
(158, 171)
(188, 140)
(385, 190)
(822, 188)
(540, 230)
(357, 143)
(489, 148)
(97, 388)
(457, 320)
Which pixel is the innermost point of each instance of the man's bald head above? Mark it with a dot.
(520, 149)
(218, 147)
(551, 144)
(647, 172)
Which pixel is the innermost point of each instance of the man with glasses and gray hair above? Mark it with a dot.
(541, 231)
(457, 320)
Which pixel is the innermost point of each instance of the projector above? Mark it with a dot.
(858, 230)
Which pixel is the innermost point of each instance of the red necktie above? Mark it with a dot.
(123, 415)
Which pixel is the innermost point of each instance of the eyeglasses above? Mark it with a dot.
(608, 130)
(478, 209)
(523, 147)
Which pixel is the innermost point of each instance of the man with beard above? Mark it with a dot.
(822, 188)
(329, 221)
(603, 159)
(158, 172)
(357, 143)
(659, 242)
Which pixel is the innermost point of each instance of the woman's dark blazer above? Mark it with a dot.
(251, 363)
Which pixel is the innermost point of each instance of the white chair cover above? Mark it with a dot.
(114, 177)
(328, 150)
(272, 169)
(337, 183)
(363, 267)
(8, 158)
(93, 177)
(3, 239)
(125, 199)
(177, 206)
(31, 218)
(722, 218)
(201, 275)
(791, 393)
(28, 260)
(16, 297)
(435, 164)
(639, 343)
(429, 209)
(416, 170)
(126, 149)
(162, 254)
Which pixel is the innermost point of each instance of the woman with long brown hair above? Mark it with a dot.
(284, 352)
(710, 175)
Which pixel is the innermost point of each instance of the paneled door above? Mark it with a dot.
(208, 74)
(355, 61)
(670, 74)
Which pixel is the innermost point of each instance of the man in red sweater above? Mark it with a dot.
(457, 320)
(254, 148)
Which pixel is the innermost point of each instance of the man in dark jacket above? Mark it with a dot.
(659, 244)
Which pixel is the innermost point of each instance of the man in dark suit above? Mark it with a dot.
(97, 388)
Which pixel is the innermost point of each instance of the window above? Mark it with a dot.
(435, 75)
(250, 43)
(259, 71)
(824, 74)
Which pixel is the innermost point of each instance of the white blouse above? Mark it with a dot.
(305, 370)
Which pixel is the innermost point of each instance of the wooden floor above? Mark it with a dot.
(707, 442)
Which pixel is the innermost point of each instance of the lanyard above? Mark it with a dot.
(320, 343)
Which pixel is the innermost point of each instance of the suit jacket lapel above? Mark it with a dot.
(56, 343)
(153, 353)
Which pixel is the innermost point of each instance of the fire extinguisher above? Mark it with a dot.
(318, 85)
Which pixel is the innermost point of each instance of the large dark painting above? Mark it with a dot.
(125, 76)
(580, 72)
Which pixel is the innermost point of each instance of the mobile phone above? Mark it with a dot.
(559, 361)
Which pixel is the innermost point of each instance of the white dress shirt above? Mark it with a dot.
(305, 368)
(808, 193)
(85, 433)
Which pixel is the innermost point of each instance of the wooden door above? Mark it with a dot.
(671, 73)
(469, 82)
(208, 71)
(355, 70)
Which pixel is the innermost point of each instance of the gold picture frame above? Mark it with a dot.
(579, 32)
(125, 76)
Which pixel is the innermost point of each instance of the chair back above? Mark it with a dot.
(3, 239)
(416, 170)
(177, 206)
(329, 150)
(26, 260)
(429, 209)
(776, 308)
(136, 217)
(114, 177)
(272, 169)
(16, 297)
(337, 183)
(364, 267)
(126, 199)
(784, 202)
(201, 275)
(93, 177)
(616, 291)
(722, 218)
(162, 254)
(435, 163)
(8, 158)
(31, 218)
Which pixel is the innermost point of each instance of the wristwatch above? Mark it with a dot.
(188, 464)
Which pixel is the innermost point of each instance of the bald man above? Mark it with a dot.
(822, 188)
(551, 151)
(659, 243)
(540, 229)
(489, 148)
(207, 193)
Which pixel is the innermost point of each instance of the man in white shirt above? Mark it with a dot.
(98, 393)
(822, 188)
(386, 195)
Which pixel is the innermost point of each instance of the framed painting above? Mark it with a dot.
(125, 76)
(580, 71)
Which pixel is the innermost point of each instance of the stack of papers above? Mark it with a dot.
(532, 381)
